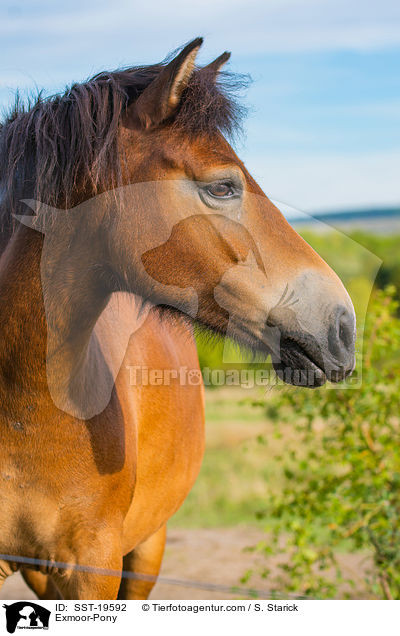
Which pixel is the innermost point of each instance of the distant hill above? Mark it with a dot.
(380, 220)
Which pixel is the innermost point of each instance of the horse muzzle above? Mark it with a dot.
(309, 357)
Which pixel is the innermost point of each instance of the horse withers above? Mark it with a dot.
(126, 217)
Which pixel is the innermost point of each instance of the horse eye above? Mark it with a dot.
(221, 190)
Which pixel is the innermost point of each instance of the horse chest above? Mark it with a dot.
(170, 429)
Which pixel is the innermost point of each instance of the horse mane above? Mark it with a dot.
(56, 147)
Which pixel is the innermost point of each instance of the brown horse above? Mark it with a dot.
(93, 464)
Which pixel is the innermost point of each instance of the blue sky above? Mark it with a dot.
(324, 126)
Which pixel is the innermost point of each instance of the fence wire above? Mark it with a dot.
(234, 590)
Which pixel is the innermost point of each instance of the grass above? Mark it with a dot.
(242, 466)
(239, 468)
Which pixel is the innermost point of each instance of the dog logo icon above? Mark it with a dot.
(26, 615)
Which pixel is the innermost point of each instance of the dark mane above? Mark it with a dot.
(59, 145)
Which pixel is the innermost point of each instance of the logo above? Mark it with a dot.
(26, 615)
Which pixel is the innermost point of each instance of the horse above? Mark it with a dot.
(93, 464)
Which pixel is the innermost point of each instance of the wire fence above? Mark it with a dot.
(49, 566)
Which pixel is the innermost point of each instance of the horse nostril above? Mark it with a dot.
(341, 334)
(346, 330)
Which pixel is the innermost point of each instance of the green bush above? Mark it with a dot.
(341, 477)
(351, 263)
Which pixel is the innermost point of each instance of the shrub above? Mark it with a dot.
(341, 476)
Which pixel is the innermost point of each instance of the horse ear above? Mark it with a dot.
(160, 99)
(214, 67)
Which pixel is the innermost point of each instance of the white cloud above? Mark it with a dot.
(252, 26)
(318, 182)
(57, 43)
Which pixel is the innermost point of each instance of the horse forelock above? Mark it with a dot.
(57, 148)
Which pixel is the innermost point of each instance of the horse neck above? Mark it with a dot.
(65, 335)
(22, 320)
(47, 315)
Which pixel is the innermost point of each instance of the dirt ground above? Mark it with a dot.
(197, 560)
